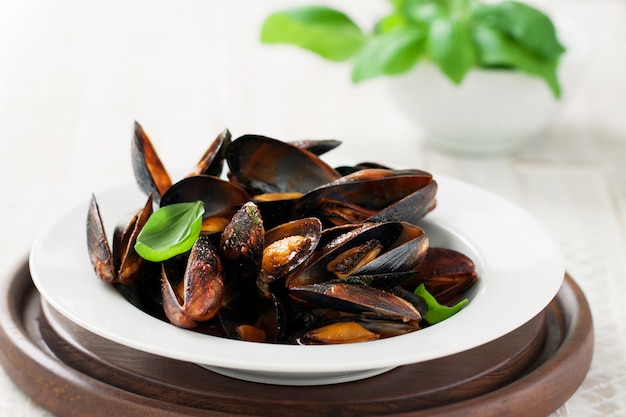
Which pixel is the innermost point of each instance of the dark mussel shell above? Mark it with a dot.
(121, 264)
(98, 244)
(358, 299)
(363, 194)
(316, 146)
(288, 246)
(411, 208)
(198, 297)
(212, 161)
(396, 265)
(150, 174)
(265, 165)
(407, 251)
(344, 239)
(241, 245)
(221, 198)
(350, 169)
(446, 274)
(276, 208)
(351, 329)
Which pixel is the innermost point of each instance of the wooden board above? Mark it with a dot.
(71, 372)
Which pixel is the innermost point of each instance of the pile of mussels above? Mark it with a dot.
(291, 250)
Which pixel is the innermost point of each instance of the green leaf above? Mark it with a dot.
(497, 49)
(389, 53)
(451, 47)
(390, 22)
(322, 30)
(425, 11)
(526, 25)
(437, 312)
(170, 231)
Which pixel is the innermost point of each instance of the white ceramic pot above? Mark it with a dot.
(492, 112)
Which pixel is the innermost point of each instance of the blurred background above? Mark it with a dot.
(75, 75)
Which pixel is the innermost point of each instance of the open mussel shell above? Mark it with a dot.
(339, 332)
(120, 264)
(358, 299)
(221, 198)
(411, 208)
(198, 297)
(363, 194)
(98, 244)
(354, 328)
(407, 251)
(346, 251)
(126, 259)
(150, 174)
(350, 169)
(212, 161)
(316, 146)
(446, 273)
(288, 246)
(265, 165)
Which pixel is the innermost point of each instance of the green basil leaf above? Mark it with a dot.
(390, 22)
(322, 30)
(389, 53)
(526, 25)
(437, 312)
(497, 49)
(425, 11)
(451, 47)
(170, 231)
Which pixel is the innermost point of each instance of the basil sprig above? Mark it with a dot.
(437, 312)
(455, 35)
(170, 231)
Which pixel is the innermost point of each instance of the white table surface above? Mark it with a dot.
(74, 75)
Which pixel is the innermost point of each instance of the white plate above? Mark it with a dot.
(520, 271)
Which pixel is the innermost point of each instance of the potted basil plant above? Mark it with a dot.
(479, 78)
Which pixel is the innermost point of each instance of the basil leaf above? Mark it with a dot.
(497, 49)
(425, 11)
(389, 53)
(170, 231)
(451, 47)
(528, 26)
(390, 22)
(437, 312)
(322, 30)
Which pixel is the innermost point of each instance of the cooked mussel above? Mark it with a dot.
(359, 299)
(265, 165)
(364, 249)
(371, 195)
(221, 198)
(121, 263)
(150, 173)
(241, 245)
(446, 273)
(197, 295)
(289, 246)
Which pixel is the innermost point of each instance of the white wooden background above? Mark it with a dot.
(75, 74)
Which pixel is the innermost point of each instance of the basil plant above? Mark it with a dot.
(455, 35)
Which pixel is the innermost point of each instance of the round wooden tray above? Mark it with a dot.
(530, 372)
